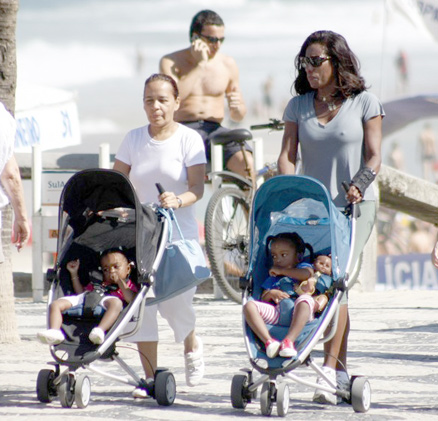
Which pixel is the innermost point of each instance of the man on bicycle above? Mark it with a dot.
(205, 77)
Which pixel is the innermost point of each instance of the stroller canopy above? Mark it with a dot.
(99, 210)
(301, 204)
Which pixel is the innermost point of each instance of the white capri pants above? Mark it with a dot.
(79, 299)
(179, 313)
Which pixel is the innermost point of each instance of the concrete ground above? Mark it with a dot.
(392, 341)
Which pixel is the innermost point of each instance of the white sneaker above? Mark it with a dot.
(97, 336)
(272, 347)
(322, 396)
(139, 393)
(194, 362)
(51, 336)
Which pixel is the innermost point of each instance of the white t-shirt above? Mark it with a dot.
(7, 138)
(165, 162)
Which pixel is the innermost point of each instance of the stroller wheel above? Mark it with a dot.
(283, 399)
(266, 398)
(82, 390)
(46, 390)
(66, 390)
(165, 388)
(360, 394)
(239, 391)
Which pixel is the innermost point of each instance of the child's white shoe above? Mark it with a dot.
(272, 346)
(97, 336)
(51, 336)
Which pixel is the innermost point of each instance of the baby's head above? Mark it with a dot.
(323, 264)
(115, 265)
(286, 249)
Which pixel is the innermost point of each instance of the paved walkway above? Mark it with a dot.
(393, 341)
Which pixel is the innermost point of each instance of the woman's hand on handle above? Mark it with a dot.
(168, 200)
(353, 195)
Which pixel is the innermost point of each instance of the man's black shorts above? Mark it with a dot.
(208, 128)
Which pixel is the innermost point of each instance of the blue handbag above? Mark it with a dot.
(182, 266)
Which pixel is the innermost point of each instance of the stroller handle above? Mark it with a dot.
(160, 188)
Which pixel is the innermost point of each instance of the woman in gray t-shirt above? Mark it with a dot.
(337, 126)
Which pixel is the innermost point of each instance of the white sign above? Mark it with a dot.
(52, 128)
(47, 117)
(53, 183)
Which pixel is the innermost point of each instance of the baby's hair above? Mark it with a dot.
(121, 250)
(295, 239)
(111, 250)
(322, 255)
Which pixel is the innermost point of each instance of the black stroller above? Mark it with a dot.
(100, 210)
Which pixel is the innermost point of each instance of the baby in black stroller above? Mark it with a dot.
(106, 299)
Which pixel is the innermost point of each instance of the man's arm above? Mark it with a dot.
(11, 181)
(236, 104)
(186, 84)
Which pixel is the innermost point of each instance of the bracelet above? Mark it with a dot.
(178, 199)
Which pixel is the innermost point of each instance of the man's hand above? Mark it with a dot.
(234, 99)
(200, 50)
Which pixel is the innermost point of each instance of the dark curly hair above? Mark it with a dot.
(295, 239)
(345, 64)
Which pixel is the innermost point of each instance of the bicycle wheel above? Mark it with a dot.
(226, 235)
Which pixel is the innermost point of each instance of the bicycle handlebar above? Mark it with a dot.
(273, 125)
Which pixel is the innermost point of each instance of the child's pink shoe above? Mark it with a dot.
(287, 349)
(272, 346)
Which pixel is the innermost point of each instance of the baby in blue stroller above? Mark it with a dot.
(294, 217)
(280, 303)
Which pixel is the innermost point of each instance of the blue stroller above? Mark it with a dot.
(303, 205)
(99, 210)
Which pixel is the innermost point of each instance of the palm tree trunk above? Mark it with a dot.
(8, 77)
(8, 320)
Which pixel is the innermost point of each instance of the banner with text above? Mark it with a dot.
(409, 271)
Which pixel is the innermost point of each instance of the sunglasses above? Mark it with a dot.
(313, 61)
(212, 40)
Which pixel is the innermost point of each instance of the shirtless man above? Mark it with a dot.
(205, 77)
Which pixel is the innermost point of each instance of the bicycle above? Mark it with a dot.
(227, 215)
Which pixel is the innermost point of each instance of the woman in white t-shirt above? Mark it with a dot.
(173, 155)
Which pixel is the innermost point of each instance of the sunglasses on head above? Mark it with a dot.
(212, 40)
(313, 61)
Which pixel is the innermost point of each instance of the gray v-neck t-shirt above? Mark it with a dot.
(333, 152)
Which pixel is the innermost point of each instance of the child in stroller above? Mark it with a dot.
(288, 275)
(109, 297)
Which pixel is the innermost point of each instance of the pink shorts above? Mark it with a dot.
(271, 313)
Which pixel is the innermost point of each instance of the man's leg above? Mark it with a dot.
(242, 164)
